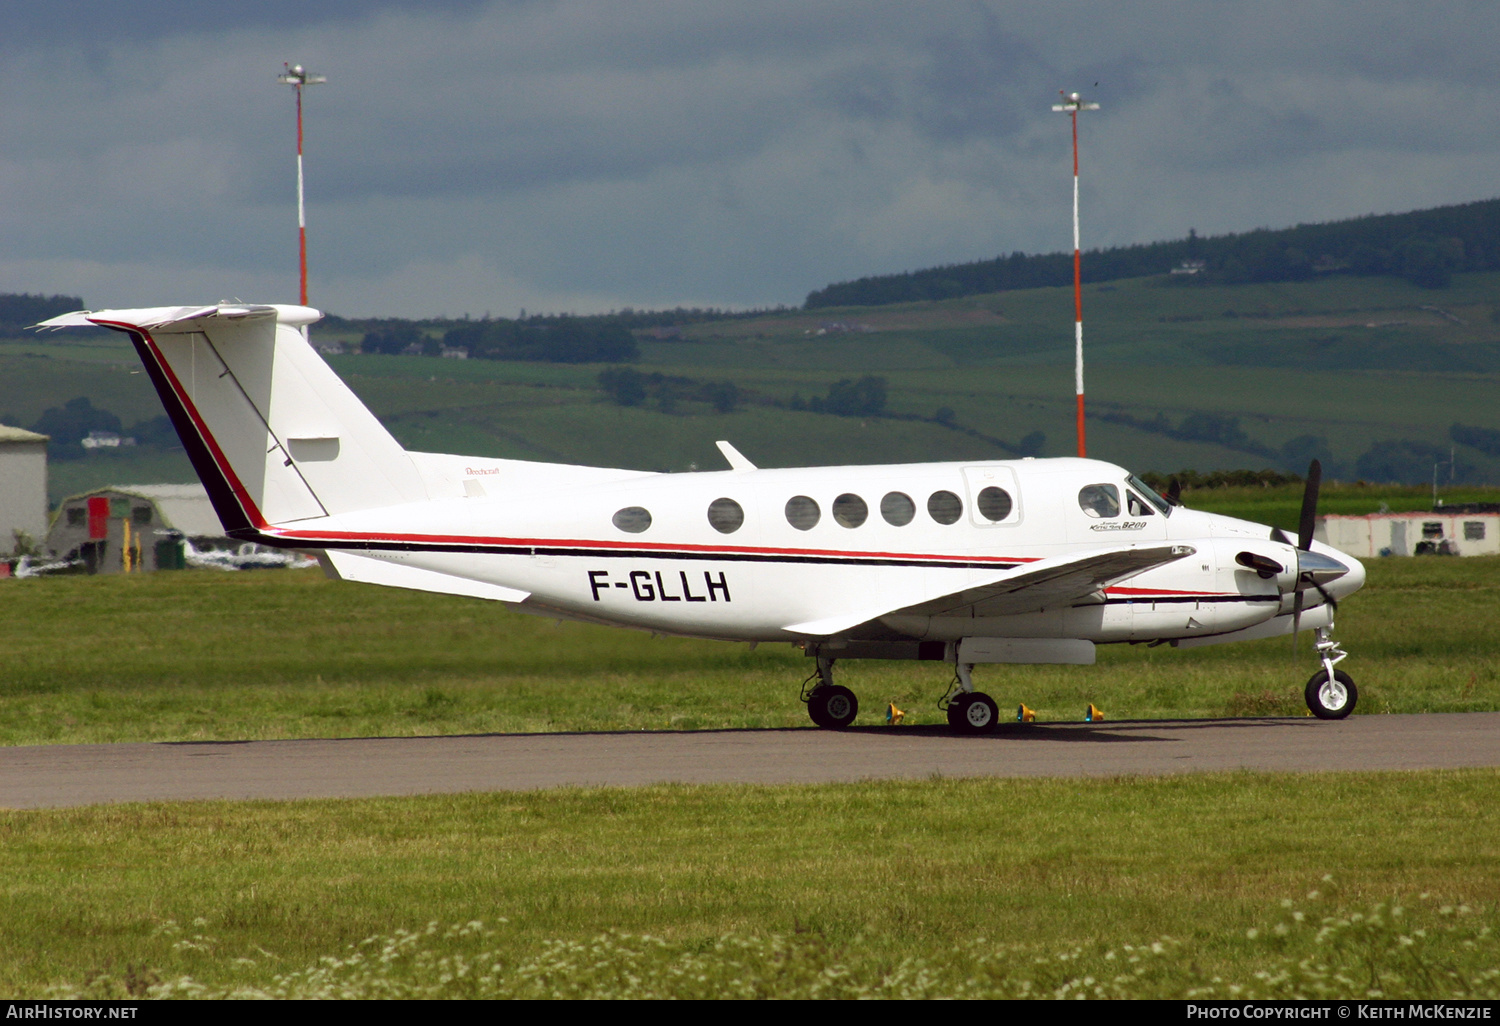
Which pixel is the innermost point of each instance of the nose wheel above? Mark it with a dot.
(1330, 693)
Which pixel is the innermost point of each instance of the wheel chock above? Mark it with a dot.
(1025, 715)
(894, 716)
(1093, 715)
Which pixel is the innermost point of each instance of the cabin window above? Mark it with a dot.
(1473, 530)
(141, 515)
(632, 519)
(945, 507)
(1137, 505)
(1432, 529)
(802, 513)
(77, 516)
(994, 503)
(849, 510)
(726, 516)
(897, 508)
(1100, 500)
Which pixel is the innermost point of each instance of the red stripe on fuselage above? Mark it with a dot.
(628, 546)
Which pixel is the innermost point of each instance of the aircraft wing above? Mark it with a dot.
(1045, 584)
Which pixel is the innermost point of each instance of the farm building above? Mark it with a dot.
(23, 487)
(134, 527)
(1463, 530)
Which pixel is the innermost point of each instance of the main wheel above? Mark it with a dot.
(1331, 699)
(832, 706)
(974, 713)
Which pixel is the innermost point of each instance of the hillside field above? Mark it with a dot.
(1349, 361)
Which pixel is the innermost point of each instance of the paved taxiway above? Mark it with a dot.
(65, 775)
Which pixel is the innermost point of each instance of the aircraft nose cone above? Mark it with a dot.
(1320, 568)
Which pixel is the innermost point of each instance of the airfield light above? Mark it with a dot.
(297, 76)
(1071, 105)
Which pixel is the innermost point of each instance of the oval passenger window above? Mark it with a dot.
(994, 503)
(632, 519)
(849, 510)
(726, 516)
(802, 513)
(897, 508)
(945, 507)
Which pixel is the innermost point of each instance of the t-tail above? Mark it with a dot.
(273, 433)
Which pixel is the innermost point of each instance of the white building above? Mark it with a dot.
(1464, 530)
(23, 486)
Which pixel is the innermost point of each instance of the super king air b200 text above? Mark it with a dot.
(1011, 561)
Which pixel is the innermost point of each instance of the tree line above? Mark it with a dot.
(1425, 247)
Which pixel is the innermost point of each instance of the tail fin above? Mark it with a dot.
(271, 430)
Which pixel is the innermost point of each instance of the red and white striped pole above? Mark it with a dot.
(1072, 104)
(297, 77)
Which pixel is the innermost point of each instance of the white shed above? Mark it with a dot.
(23, 486)
(1466, 530)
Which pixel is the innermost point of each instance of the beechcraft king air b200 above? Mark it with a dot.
(1009, 561)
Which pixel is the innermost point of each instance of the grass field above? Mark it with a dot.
(986, 888)
(1126, 887)
(208, 655)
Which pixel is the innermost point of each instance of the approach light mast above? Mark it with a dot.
(1072, 104)
(297, 76)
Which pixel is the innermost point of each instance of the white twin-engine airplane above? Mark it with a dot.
(1008, 561)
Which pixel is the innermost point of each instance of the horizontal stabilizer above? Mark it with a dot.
(367, 570)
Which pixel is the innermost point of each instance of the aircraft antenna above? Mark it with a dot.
(297, 76)
(1071, 105)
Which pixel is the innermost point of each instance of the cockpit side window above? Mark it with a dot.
(1138, 506)
(1150, 494)
(1100, 500)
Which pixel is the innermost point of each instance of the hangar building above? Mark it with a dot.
(23, 486)
(136, 527)
(1472, 529)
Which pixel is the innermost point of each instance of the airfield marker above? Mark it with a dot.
(296, 76)
(1072, 104)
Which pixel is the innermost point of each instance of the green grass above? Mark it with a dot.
(992, 878)
(209, 655)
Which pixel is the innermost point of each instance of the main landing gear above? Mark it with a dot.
(969, 711)
(830, 705)
(1330, 693)
(833, 706)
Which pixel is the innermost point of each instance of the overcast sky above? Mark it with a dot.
(471, 157)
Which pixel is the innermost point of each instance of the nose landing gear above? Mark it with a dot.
(1330, 693)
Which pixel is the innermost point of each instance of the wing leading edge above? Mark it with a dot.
(1045, 584)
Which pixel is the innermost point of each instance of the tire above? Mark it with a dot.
(832, 707)
(974, 713)
(1331, 701)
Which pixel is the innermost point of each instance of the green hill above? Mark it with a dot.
(1371, 374)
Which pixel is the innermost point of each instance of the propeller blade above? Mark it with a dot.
(1174, 492)
(1309, 518)
(1278, 535)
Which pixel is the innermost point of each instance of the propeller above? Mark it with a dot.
(1312, 568)
(1174, 492)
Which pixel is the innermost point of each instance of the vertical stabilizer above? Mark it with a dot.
(275, 435)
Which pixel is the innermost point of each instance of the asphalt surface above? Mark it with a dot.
(69, 775)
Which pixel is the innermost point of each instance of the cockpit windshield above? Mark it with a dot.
(1150, 494)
